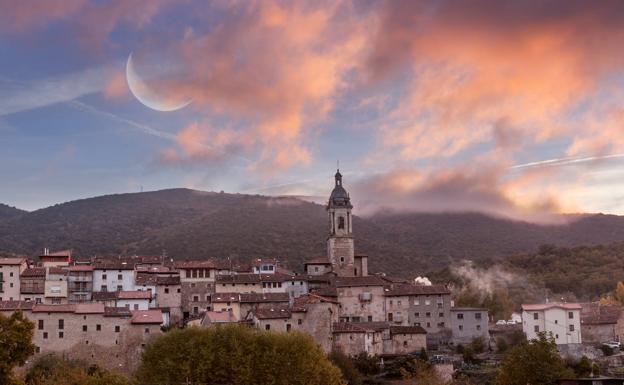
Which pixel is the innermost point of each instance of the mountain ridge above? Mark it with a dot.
(196, 224)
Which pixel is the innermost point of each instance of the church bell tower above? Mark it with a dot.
(340, 249)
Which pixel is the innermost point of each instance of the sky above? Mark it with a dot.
(511, 108)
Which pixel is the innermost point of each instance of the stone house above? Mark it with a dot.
(197, 283)
(318, 266)
(133, 300)
(378, 338)
(468, 323)
(601, 323)
(271, 319)
(10, 272)
(315, 315)
(361, 298)
(110, 337)
(427, 306)
(561, 320)
(113, 275)
(32, 284)
(169, 295)
(55, 286)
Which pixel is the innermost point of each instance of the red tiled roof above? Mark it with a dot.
(594, 313)
(34, 272)
(225, 297)
(195, 264)
(409, 289)
(60, 253)
(170, 280)
(145, 279)
(57, 270)
(89, 308)
(103, 295)
(238, 278)
(147, 317)
(271, 313)
(218, 317)
(301, 303)
(12, 260)
(545, 306)
(66, 308)
(153, 269)
(117, 312)
(16, 305)
(328, 291)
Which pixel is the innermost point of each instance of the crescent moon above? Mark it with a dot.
(146, 95)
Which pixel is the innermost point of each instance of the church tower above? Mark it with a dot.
(340, 250)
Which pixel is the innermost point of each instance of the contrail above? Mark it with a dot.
(565, 161)
(142, 127)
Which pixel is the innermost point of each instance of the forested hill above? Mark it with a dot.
(193, 224)
(7, 212)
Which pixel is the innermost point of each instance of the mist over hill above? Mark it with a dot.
(192, 224)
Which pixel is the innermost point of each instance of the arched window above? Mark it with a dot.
(341, 222)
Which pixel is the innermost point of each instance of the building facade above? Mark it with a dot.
(562, 321)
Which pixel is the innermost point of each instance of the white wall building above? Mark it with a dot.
(115, 276)
(562, 321)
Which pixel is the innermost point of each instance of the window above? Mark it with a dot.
(195, 298)
(477, 315)
(60, 334)
(104, 288)
(61, 324)
(116, 329)
(399, 302)
(460, 315)
(37, 349)
(404, 343)
(390, 302)
(287, 327)
(136, 306)
(461, 327)
(195, 309)
(556, 321)
(98, 327)
(104, 277)
(316, 269)
(428, 324)
(416, 323)
(45, 335)
(417, 314)
(146, 330)
(428, 314)
(299, 321)
(571, 328)
(40, 324)
(389, 316)
(441, 315)
(570, 315)
(84, 328)
(166, 290)
(267, 327)
(341, 223)
(341, 259)
(416, 302)
(119, 277)
(556, 336)
(478, 327)
(119, 288)
(178, 290)
(370, 318)
(441, 324)
(535, 315)
(427, 302)
(536, 329)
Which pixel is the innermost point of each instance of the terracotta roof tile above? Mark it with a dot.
(409, 289)
(136, 294)
(80, 268)
(12, 260)
(407, 330)
(218, 317)
(545, 306)
(264, 297)
(66, 308)
(225, 297)
(117, 312)
(359, 327)
(271, 313)
(317, 261)
(89, 308)
(147, 317)
(34, 272)
(16, 305)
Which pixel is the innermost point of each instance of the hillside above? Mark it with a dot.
(8, 212)
(193, 224)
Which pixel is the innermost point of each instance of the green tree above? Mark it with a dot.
(16, 346)
(347, 367)
(235, 355)
(536, 362)
(619, 292)
(52, 369)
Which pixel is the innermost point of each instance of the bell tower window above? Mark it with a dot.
(341, 223)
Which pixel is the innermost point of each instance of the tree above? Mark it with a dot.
(347, 367)
(52, 369)
(16, 346)
(536, 362)
(619, 292)
(236, 355)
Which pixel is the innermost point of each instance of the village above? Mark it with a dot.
(106, 309)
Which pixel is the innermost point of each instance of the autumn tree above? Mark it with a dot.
(16, 346)
(235, 355)
(52, 369)
(619, 292)
(536, 362)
